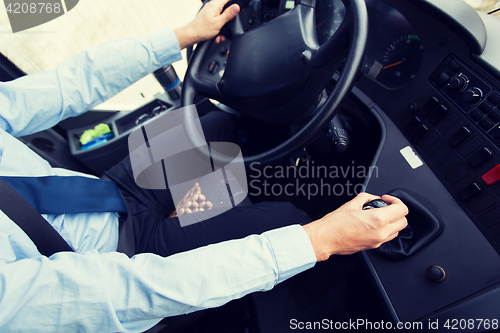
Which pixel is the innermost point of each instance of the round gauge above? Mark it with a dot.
(400, 63)
(329, 16)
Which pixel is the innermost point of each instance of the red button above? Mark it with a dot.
(492, 176)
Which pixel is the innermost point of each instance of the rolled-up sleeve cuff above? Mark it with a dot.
(292, 249)
(165, 46)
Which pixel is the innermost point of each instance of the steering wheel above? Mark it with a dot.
(278, 69)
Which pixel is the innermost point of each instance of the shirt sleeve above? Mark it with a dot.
(110, 292)
(39, 101)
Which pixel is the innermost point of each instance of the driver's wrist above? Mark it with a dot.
(316, 241)
(186, 36)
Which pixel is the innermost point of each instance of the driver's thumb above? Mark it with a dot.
(230, 13)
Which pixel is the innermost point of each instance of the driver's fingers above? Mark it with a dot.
(394, 229)
(230, 13)
(391, 237)
(391, 199)
(397, 209)
(397, 226)
(361, 199)
(219, 3)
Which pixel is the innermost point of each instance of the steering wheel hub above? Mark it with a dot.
(270, 65)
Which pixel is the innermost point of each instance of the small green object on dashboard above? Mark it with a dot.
(94, 133)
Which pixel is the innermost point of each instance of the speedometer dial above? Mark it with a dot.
(400, 62)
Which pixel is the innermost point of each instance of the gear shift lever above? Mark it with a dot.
(423, 227)
(377, 203)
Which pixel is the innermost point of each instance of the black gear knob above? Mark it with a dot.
(377, 203)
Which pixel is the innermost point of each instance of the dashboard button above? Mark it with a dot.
(212, 68)
(458, 83)
(492, 176)
(485, 124)
(435, 273)
(457, 175)
(430, 105)
(491, 218)
(494, 98)
(412, 107)
(494, 116)
(419, 133)
(470, 192)
(448, 123)
(485, 107)
(455, 66)
(497, 191)
(428, 141)
(442, 79)
(495, 132)
(472, 95)
(412, 125)
(448, 164)
(481, 204)
(470, 146)
(476, 115)
(438, 114)
(439, 155)
(480, 157)
(460, 136)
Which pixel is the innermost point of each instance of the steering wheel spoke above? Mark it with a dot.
(277, 70)
(208, 89)
(235, 27)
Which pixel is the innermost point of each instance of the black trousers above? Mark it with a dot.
(156, 233)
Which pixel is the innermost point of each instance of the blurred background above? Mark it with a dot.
(93, 22)
(485, 5)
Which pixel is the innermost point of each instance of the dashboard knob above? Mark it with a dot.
(436, 273)
(472, 95)
(458, 82)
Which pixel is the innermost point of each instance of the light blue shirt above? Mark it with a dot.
(97, 289)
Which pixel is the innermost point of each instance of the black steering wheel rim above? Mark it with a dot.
(358, 31)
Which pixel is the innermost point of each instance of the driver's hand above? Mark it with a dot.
(207, 23)
(350, 229)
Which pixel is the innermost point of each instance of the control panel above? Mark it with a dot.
(215, 62)
(473, 96)
(457, 132)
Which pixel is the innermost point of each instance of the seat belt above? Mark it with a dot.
(46, 238)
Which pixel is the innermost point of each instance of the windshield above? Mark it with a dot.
(92, 22)
(485, 6)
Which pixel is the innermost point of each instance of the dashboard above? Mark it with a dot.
(439, 99)
(438, 103)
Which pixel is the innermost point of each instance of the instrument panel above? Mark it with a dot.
(394, 51)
